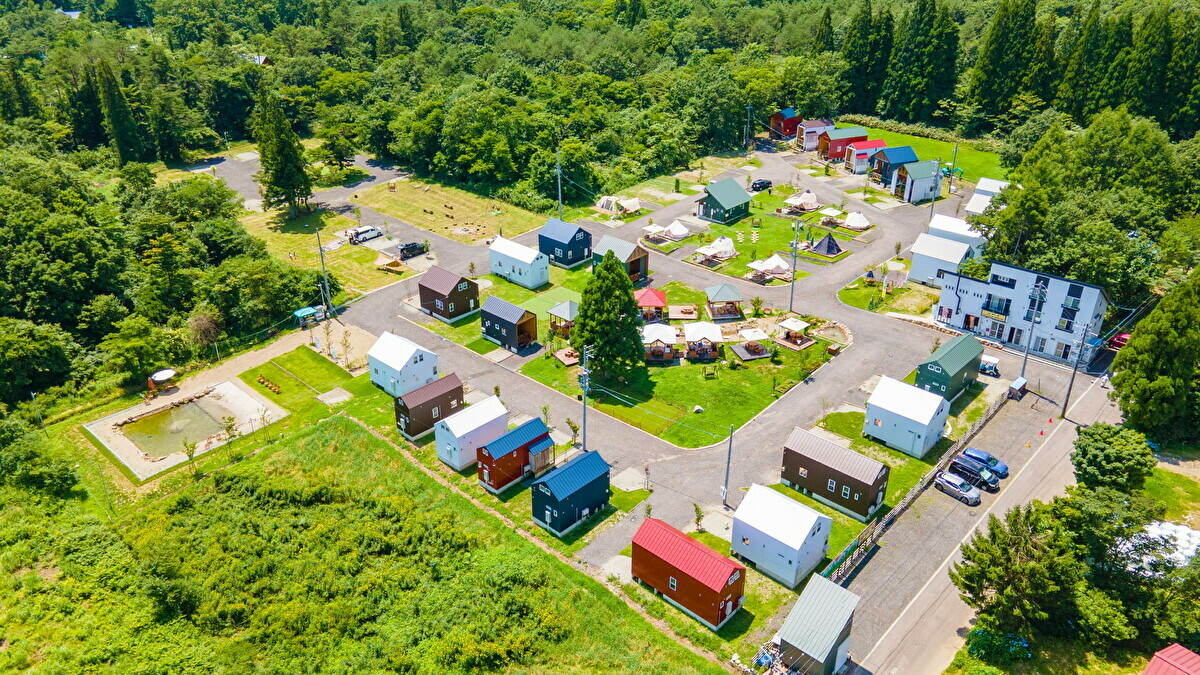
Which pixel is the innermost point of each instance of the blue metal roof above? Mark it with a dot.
(518, 437)
(788, 113)
(901, 155)
(567, 479)
(560, 231)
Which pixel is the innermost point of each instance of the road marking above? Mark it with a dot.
(938, 572)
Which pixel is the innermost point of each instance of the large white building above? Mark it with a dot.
(956, 229)
(904, 417)
(399, 365)
(785, 539)
(1064, 315)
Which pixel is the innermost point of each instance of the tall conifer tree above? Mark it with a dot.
(283, 177)
(1004, 57)
(122, 128)
(1117, 88)
(856, 49)
(1153, 44)
(823, 35)
(1083, 69)
(921, 72)
(1041, 79)
(608, 320)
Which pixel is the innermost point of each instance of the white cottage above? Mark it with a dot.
(932, 256)
(399, 365)
(957, 229)
(904, 417)
(785, 539)
(519, 264)
(460, 435)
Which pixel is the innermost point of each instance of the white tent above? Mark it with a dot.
(805, 200)
(630, 205)
(772, 265)
(722, 248)
(702, 330)
(793, 324)
(857, 221)
(677, 231)
(756, 334)
(607, 203)
(653, 231)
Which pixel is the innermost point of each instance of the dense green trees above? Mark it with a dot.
(283, 179)
(33, 357)
(1111, 456)
(921, 69)
(608, 320)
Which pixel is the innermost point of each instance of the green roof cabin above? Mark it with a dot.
(723, 202)
(952, 368)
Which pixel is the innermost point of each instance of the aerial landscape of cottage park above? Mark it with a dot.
(821, 336)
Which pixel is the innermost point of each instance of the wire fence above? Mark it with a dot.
(850, 557)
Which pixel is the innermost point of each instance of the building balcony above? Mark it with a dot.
(1071, 303)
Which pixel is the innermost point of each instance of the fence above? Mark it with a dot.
(853, 554)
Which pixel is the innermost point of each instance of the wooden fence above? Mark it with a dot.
(857, 550)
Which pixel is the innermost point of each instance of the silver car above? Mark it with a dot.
(956, 486)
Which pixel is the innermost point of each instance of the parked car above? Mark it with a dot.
(364, 233)
(977, 473)
(957, 487)
(993, 462)
(760, 185)
(1118, 341)
(412, 249)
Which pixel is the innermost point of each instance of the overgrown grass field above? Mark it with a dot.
(448, 211)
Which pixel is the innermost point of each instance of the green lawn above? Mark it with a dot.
(541, 303)
(314, 369)
(627, 500)
(679, 293)
(774, 235)
(564, 285)
(910, 298)
(905, 471)
(1057, 657)
(660, 399)
(845, 528)
(1180, 493)
(975, 163)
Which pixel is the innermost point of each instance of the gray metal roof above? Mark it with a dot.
(623, 250)
(432, 391)
(723, 293)
(440, 280)
(834, 456)
(818, 618)
(503, 309)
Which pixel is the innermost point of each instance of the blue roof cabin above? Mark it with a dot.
(565, 497)
(565, 244)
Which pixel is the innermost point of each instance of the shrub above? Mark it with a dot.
(922, 130)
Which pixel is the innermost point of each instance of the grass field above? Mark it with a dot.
(975, 164)
(564, 285)
(541, 303)
(1056, 657)
(456, 213)
(294, 241)
(1180, 493)
(911, 298)
(627, 500)
(905, 471)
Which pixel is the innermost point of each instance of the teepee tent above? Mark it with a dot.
(721, 248)
(827, 247)
(857, 221)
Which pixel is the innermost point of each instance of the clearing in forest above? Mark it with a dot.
(450, 212)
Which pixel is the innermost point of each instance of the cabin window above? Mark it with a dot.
(504, 331)
(832, 485)
(856, 496)
(672, 583)
(746, 540)
(803, 472)
(437, 303)
(579, 237)
(845, 492)
(733, 578)
(878, 422)
(485, 452)
(545, 489)
(943, 387)
(376, 371)
(420, 358)
(453, 404)
(452, 307)
(558, 252)
(934, 369)
(463, 286)
(436, 412)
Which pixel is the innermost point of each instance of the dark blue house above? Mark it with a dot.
(565, 497)
(565, 244)
(885, 162)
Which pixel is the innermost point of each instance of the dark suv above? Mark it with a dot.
(412, 249)
(976, 472)
(760, 185)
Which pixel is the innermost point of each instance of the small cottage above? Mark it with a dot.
(839, 477)
(399, 365)
(459, 436)
(661, 342)
(831, 145)
(952, 369)
(957, 229)
(566, 245)
(885, 161)
(420, 409)
(932, 256)
(635, 258)
(858, 155)
(724, 201)
(519, 264)
(446, 295)
(904, 417)
(809, 132)
(562, 317)
(783, 124)
(724, 302)
(1174, 659)
(523, 451)
(815, 636)
(917, 181)
(779, 536)
(703, 583)
(651, 303)
(990, 186)
(568, 495)
(703, 340)
(508, 325)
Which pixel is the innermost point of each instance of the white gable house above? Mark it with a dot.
(399, 365)
(957, 229)
(904, 417)
(932, 256)
(785, 539)
(519, 264)
(460, 435)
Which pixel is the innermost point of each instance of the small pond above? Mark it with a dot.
(165, 432)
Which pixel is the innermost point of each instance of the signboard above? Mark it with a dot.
(995, 316)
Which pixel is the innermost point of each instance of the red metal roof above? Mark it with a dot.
(1174, 660)
(685, 554)
(868, 145)
(650, 297)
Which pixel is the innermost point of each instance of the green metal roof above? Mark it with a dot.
(847, 132)
(926, 169)
(818, 617)
(956, 354)
(723, 293)
(728, 193)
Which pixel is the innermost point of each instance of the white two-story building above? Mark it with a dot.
(1016, 305)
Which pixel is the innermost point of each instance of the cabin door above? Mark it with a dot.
(546, 519)
(486, 478)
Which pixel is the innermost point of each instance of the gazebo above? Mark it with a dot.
(651, 302)
(660, 341)
(703, 340)
(724, 302)
(562, 317)
(794, 334)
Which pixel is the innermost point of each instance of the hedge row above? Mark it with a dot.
(922, 130)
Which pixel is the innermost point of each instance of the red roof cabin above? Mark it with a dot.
(831, 145)
(651, 302)
(523, 451)
(858, 154)
(784, 123)
(1174, 660)
(703, 583)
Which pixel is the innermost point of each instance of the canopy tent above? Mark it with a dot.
(753, 334)
(163, 375)
(772, 265)
(793, 324)
(805, 200)
(608, 203)
(857, 221)
(659, 332)
(653, 231)
(721, 248)
(677, 231)
(827, 246)
(830, 211)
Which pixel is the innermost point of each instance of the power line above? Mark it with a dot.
(637, 404)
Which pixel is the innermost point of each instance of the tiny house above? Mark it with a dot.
(831, 145)
(446, 295)
(459, 436)
(399, 365)
(508, 325)
(917, 181)
(781, 537)
(519, 264)
(723, 202)
(568, 495)
(815, 636)
(635, 258)
(904, 417)
(933, 256)
(839, 477)
(565, 244)
(703, 583)
(952, 368)
(523, 451)
(420, 409)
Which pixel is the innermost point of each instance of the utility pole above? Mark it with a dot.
(1035, 315)
(748, 109)
(1078, 358)
(558, 172)
(584, 380)
(324, 276)
(795, 255)
(937, 181)
(953, 163)
(728, 461)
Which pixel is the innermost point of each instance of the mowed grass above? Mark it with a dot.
(775, 235)
(910, 298)
(450, 212)
(294, 241)
(975, 164)
(627, 500)
(1180, 493)
(314, 369)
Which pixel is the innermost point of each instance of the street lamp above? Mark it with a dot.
(795, 255)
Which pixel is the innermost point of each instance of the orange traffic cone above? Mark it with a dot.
(1041, 433)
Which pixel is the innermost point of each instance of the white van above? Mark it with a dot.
(364, 233)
